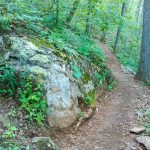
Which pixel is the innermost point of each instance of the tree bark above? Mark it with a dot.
(137, 13)
(143, 73)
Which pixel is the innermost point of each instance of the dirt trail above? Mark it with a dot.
(109, 128)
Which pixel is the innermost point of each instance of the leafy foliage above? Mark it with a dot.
(31, 98)
(90, 98)
(81, 43)
(10, 132)
(10, 145)
(29, 94)
(8, 80)
(4, 23)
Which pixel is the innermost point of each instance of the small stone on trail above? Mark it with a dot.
(122, 147)
(88, 113)
(127, 70)
(137, 130)
(145, 140)
(134, 148)
(140, 114)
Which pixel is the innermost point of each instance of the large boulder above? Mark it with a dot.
(62, 91)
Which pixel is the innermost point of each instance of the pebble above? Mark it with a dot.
(137, 130)
(134, 148)
(122, 147)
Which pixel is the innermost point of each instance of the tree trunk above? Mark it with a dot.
(103, 36)
(88, 20)
(57, 12)
(143, 73)
(72, 12)
(124, 8)
(117, 39)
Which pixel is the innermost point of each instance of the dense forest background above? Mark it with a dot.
(116, 22)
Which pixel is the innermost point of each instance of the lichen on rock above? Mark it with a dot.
(39, 71)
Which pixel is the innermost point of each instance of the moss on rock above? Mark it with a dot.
(60, 54)
(86, 77)
(41, 42)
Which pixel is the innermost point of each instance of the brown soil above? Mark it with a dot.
(116, 113)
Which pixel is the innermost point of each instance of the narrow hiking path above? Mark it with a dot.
(116, 112)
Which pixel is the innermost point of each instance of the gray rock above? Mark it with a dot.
(60, 99)
(145, 140)
(137, 130)
(127, 70)
(134, 148)
(122, 147)
(1, 43)
(61, 91)
(140, 113)
(43, 143)
(39, 71)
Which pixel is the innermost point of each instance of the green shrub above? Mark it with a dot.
(29, 93)
(80, 42)
(89, 98)
(10, 132)
(31, 99)
(8, 80)
(4, 23)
